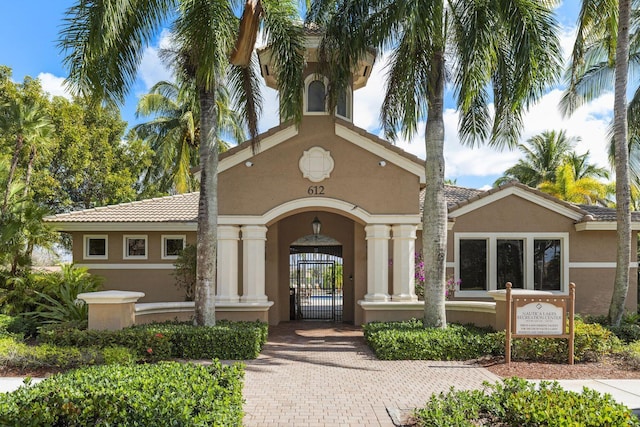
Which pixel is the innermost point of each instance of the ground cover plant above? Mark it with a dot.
(516, 402)
(163, 394)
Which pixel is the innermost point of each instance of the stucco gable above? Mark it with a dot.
(519, 190)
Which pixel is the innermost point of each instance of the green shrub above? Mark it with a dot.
(409, 340)
(164, 394)
(591, 342)
(147, 345)
(517, 402)
(627, 332)
(631, 354)
(17, 354)
(226, 340)
(161, 341)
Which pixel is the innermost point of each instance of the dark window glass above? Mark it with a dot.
(136, 247)
(172, 247)
(546, 259)
(316, 96)
(341, 108)
(473, 265)
(97, 247)
(510, 263)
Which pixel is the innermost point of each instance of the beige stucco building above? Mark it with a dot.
(365, 194)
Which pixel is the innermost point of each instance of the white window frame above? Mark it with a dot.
(164, 238)
(492, 273)
(85, 246)
(125, 246)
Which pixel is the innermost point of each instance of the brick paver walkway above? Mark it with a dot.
(323, 374)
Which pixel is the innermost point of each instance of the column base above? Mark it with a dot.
(377, 297)
(253, 299)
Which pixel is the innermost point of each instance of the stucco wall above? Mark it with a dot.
(275, 177)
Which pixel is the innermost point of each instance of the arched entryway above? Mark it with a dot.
(316, 278)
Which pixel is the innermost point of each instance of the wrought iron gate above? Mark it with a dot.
(318, 293)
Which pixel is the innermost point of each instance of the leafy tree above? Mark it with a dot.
(568, 186)
(511, 47)
(600, 60)
(104, 42)
(543, 154)
(173, 133)
(93, 164)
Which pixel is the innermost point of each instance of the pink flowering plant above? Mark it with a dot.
(451, 287)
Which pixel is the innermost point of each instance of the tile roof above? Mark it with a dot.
(178, 208)
(184, 207)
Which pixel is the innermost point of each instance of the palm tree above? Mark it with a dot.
(600, 59)
(568, 186)
(27, 122)
(510, 46)
(173, 133)
(543, 154)
(104, 42)
(582, 168)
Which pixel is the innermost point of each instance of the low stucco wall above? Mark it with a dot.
(480, 313)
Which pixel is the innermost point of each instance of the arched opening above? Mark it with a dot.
(316, 279)
(316, 97)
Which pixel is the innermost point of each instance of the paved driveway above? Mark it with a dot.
(323, 374)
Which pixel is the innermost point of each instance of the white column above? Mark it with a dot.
(228, 236)
(377, 262)
(254, 239)
(404, 264)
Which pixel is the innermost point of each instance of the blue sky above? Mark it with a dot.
(29, 33)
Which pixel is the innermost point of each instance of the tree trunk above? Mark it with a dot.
(249, 27)
(623, 193)
(434, 216)
(27, 176)
(12, 171)
(207, 242)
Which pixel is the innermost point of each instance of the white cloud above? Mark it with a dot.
(151, 69)
(54, 85)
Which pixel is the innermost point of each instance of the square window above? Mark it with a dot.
(172, 246)
(95, 247)
(135, 247)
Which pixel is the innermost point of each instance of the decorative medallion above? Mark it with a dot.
(316, 164)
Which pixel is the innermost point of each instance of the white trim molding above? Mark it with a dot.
(163, 244)
(293, 206)
(85, 246)
(125, 246)
(128, 266)
(599, 265)
(602, 226)
(125, 226)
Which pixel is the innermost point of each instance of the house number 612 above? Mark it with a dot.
(316, 190)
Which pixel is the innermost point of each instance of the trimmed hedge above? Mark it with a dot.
(517, 402)
(410, 340)
(162, 341)
(16, 354)
(226, 340)
(163, 394)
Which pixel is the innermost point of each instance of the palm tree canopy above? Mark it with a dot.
(543, 154)
(585, 190)
(509, 47)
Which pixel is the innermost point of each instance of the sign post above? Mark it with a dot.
(530, 316)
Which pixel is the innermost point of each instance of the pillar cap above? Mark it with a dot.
(110, 297)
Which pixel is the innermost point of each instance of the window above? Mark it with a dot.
(343, 107)
(473, 265)
(172, 245)
(135, 247)
(510, 263)
(547, 262)
(316, 97)
(95, 247)
(529, 261)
